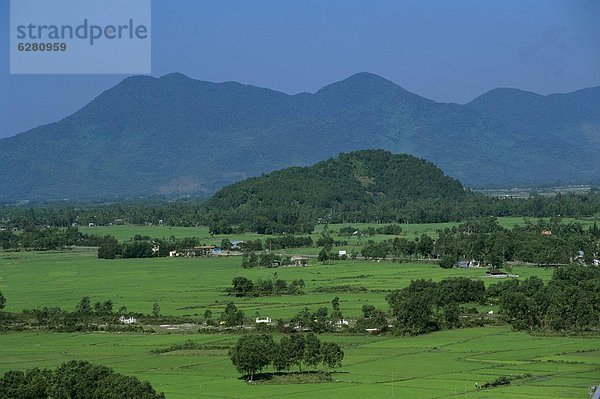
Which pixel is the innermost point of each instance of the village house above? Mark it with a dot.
(128, 320)
(201, 250)
(298, 261)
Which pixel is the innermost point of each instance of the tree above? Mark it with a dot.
(242, 286)
(2, 301)
(336, 314)
(109, 248)
(332, 354)
(226, 245)
(282, 358)
(252, 353)
(295, 350)
(323, 255)
(232, 316)
(425, 245)
(155, 309)
(84, 307)
(447, 262)
(76, 380)
(312, 350)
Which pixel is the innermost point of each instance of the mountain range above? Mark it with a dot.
(174, 135)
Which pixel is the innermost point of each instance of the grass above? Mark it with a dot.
(439, 365)
(186, 286)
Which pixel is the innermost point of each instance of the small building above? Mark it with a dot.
(496, 273)
(263, 320)
(342, 253)
(466, 264)
(91, 224)
(128, 320)
(237, 245)
(298, 261)
(546, 233)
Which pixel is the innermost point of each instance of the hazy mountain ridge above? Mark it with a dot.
(177, 135)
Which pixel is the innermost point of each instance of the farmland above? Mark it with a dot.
(436, 365)
(445, 364)
(188, 286)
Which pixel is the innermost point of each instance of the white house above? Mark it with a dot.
(127, 320)
(265, 320)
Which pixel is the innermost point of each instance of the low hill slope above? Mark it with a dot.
(354, 186)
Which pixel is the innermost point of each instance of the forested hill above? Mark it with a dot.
(177, 136)
(362, 185)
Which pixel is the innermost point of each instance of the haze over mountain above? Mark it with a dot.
(176, 135)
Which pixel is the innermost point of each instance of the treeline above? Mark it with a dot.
(45, 238)
(271, 243)
(243, 287)
(283, 216)
(390, 229)
(569, 302)
(74, 379)
(544, 242)
(255, 352)
(425, 306)
(86, 316)
(142, 247)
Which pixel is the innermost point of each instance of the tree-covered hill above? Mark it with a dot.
(176, 136)
(363, 185)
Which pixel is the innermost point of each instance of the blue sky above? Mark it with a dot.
(446, 50)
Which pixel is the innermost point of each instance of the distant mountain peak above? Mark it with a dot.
(173, 134)
(175, 76)
(362, 81)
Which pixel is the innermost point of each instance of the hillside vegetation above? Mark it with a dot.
(176, 136)
(363, 185)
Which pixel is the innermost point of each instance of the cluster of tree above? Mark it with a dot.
(45, 238)
(389, 229)
(569, 302)
(545, 242)
(271, 243)
(425, 306)
(320, 320)
(142, 247)
(255, 352)
(286, 210)
(327, 242)
(74, 379)
(279, 213)
(243, 287)
(371, 318)
(86, 316)
(231, 316)
(185, 212)
(265, 259)
(399, 248)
